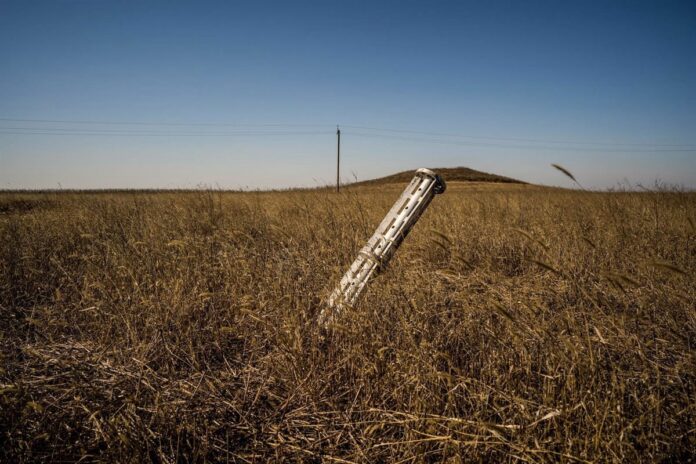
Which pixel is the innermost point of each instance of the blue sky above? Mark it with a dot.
(606, 89)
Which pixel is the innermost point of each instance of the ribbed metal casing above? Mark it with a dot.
(375, 256)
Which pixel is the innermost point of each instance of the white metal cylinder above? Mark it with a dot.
(374, 256)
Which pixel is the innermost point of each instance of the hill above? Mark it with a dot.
(460, 174)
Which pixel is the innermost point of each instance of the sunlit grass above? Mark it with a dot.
(516, 323)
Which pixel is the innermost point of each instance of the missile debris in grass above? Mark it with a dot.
(375, 256)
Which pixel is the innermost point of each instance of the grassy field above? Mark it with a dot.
(516, 323)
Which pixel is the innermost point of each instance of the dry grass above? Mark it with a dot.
(515, 324)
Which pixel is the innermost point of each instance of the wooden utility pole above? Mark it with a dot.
(338, 159)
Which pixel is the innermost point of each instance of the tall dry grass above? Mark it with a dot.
(515, 324)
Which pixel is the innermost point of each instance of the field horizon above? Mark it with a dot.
(456, 174)
(452, 175)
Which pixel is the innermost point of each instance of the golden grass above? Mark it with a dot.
(516, 323)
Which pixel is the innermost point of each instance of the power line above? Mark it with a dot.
(153, 131)
(255, 129)
(516, 139)
(152, 123)
(82, 132)
(523, 147)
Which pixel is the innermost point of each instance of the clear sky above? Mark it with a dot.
(251, 92)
